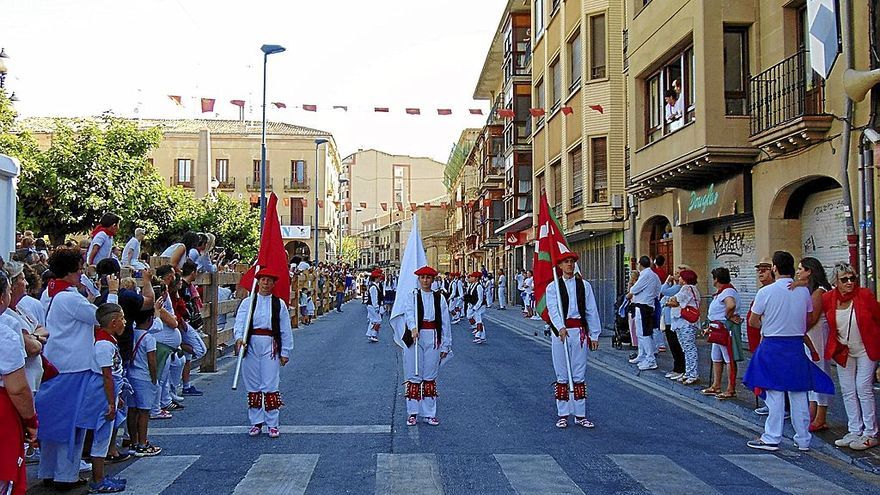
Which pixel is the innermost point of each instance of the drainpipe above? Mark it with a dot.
(852, 237)
(867, 163)
(863, 216)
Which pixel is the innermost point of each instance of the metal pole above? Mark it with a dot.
(869, 217)
(263, 151)
(252, 304)
(316, 202)
(852, 237)
(863, 218)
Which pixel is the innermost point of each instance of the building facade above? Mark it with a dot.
(382, 239)
(460, 179)
(746, 159)
(223, 157)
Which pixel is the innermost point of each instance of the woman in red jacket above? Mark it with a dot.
(853, 315)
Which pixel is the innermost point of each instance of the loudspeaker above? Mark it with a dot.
(857, 83)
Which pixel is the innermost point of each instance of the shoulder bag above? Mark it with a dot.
(691, 314)
(841, 352)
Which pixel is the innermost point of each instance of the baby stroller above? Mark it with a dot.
(621, 323)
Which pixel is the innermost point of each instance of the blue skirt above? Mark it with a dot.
(58, 404)
(779, 363)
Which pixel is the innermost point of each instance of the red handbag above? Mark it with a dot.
(718, 334)
(49, 370)
(691, 314)
(841, 352)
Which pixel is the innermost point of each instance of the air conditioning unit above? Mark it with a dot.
(617, 201)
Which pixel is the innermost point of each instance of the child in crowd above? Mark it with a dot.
(102, 407)
(143, 374)
(310, 306)
(304, 305)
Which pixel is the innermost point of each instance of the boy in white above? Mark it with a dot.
(143, 375)
(475, 306)
(502, 290)
(569, 331)
(430, 335)
(642, 295)
(779, 365)
(267, 341)
(374, 307)
(131, 254)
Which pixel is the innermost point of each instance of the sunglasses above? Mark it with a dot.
(846, 280)
(763, 269)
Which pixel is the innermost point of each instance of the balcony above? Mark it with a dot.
(175, 181)
(226, 185)
(787, 106)
(253, 184)
(293, 185)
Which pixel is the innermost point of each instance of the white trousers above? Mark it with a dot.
(164, 378)
(55, 463)
(856, 389)
(646, 343)
(373, 317)
(261, 373)
(578, 357)
(477, 316)
(502, 297)
(191, 338)
(800, 417)
(429, 368)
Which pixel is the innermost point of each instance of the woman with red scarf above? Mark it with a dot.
(853, 315)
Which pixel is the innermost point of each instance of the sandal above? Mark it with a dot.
(586, 423)
(106, 486)
(119, 457)
(726, 395)
(710, 391)
(815, 427)
(562, 423)
(147, 450)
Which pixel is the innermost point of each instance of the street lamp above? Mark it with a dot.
(340, 229)
(318, 142)
(3, 56)
(267, 50)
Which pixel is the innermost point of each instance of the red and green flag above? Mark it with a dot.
(551, 243)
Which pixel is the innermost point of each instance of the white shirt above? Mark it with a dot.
(140, 367)
(502, 281)
(478, 289)
(263, 319)
(131, 252)
(70, 320)
(105, 247)
(784, 311)
(428, 315)
(106, 355)
(647, 288)
(528, 285)
(687, 296)
(22, 322)
(32, 308)
(170, 251)
(591, 309)
(11, 351)
(164, 334)
(717, 308)
(848, 332)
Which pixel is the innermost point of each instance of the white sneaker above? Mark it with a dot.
(635, 360)
(762, 411)
(175, 397)
(847, 439)
(864, 442)
(646, 367)
(84, 466)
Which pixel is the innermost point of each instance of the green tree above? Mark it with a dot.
(349, 250)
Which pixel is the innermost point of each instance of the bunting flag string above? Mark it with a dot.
(427, 206)
(208, 105)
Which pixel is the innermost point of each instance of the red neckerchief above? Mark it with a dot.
(846, 297)
(100, 229)
(101, 334)
(722, 288)
(57, 285)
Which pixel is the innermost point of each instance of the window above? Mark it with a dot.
(676, 76)
(577, 179)
(597, 46)
(539, 17)
(221, 170)
(575, 61)
(736, 69)
(540, 102)
(296, 211)
(184, 171)
(556, 82)
(556, 170)
(599, 159)
(400, 195)
(257, 168)
(298, 172)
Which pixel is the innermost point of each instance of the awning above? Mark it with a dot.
(515, 225)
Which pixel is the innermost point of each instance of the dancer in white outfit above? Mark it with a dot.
(475, 306)
(374, 306)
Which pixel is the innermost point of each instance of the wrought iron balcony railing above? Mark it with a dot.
(785, 92)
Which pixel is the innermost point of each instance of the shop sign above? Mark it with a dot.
(717, 200)
(515, 238)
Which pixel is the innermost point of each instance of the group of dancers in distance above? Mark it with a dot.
(425, 339)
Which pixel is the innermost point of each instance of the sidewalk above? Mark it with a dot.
(742, 406)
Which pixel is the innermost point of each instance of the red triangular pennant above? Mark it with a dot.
(476, 111)
(310, 108)
(384, 206)
(537, 112)
(207, 105)
(413, 111)
(567, 110)
(597, 108)
(278, 104)
(238, 103)
(380, 109)
(505, 113)
(444, 111)
(176, 100)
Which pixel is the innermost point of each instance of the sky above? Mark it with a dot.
(84, 57)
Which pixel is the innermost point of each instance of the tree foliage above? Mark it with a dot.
(94, 166)
(348, 249)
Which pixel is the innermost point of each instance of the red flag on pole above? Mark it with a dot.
(278, 104)
(597, 108)
(567, 110)
(380, 109)
(384, 206)
(505, 113)
(207, 105)
(551, 243)
(537, 112)
(476, 111)
(444, 111)
(399, 206)
(413, 111)
(310, 108)
(176, 100)
(238, 103)
(272, 256)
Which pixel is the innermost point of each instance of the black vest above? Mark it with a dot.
(276, 323)
(370, 294)
(580, 294)
(420, 315)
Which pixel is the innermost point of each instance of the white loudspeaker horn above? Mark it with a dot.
(857, 83)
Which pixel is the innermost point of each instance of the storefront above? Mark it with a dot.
(823, 228)
(601, 263)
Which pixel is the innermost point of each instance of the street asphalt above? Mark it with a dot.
(343, 429)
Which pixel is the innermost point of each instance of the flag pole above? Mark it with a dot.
(248, 320)
(564, 343)
(416, 341)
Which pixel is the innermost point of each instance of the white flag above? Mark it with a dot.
(822, 26)
(407, 281)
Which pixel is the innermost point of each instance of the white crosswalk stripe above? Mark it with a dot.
(784, 476)
(278, 474)
(404, 474)
(152, 475)
(660, 474)
(536, 474)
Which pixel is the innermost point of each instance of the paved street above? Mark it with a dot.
(344, 430)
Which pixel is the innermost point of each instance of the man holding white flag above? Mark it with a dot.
(421, 322)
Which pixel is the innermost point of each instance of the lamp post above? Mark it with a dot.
(318, 143)
(340, 229)
(267, 50)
